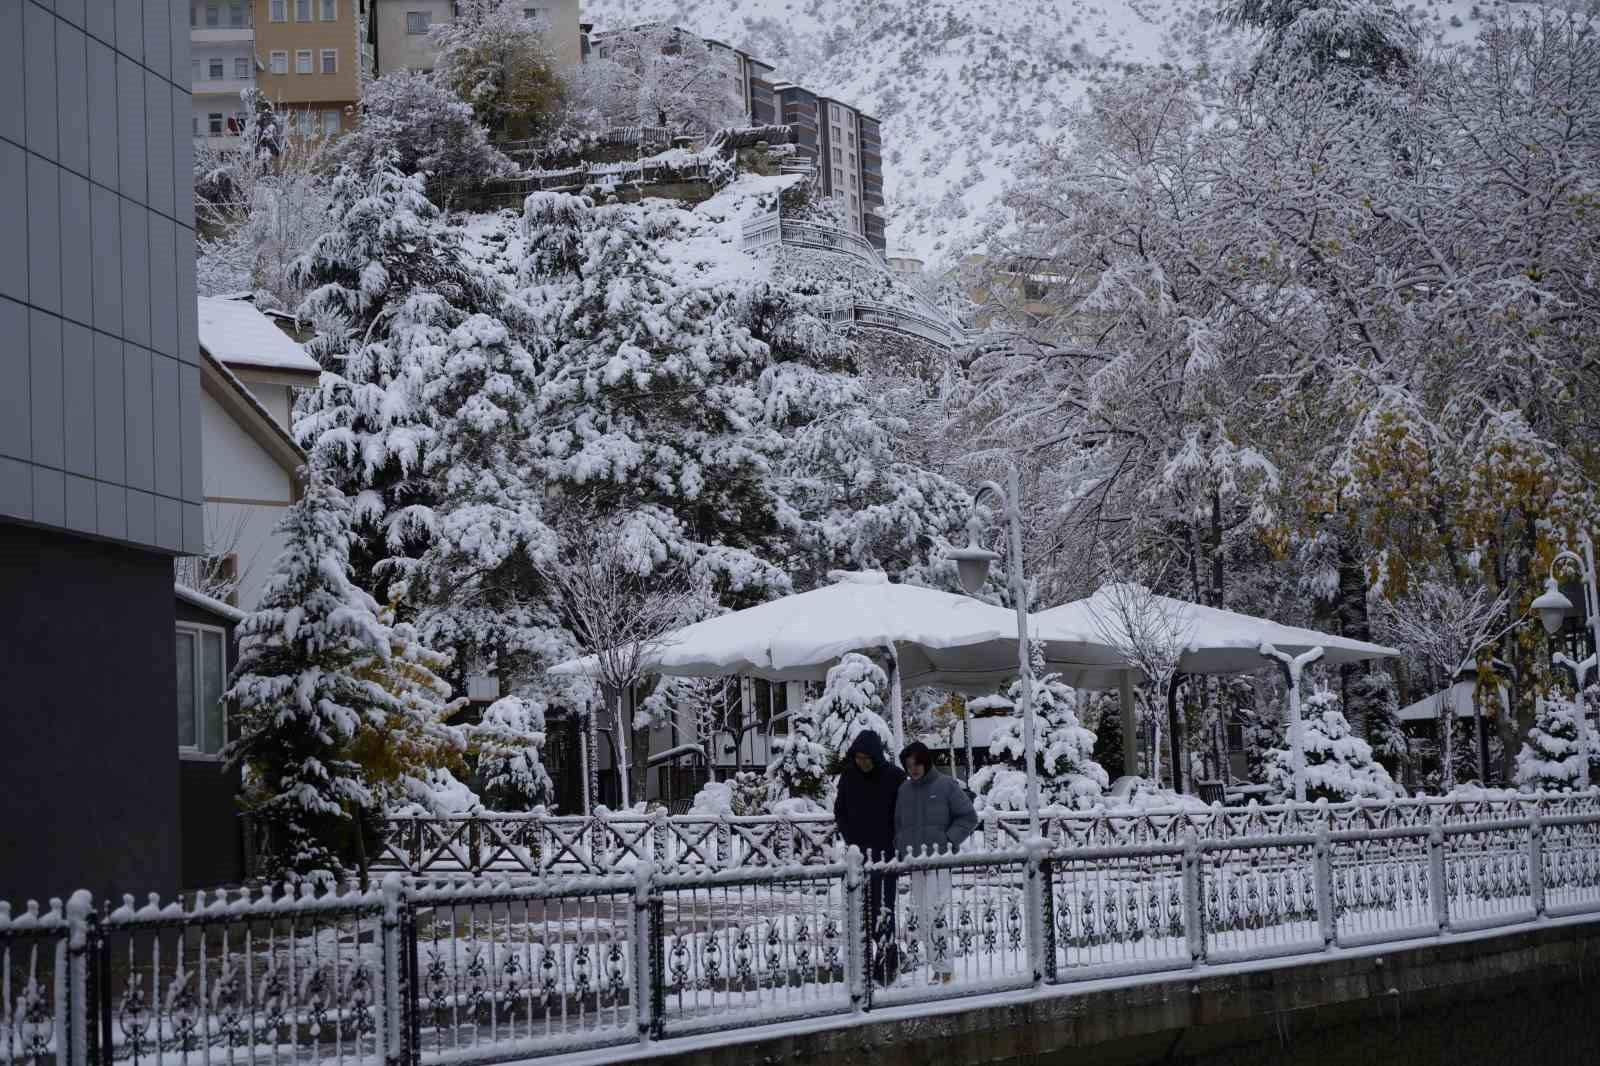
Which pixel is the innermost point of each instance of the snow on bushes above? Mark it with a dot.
(798, 775)
(1338, 765)
(852, 702)
(510, 743)
(1551, 759)
(1068, 775)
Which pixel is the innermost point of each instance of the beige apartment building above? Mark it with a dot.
(400, 31)
(311, 59)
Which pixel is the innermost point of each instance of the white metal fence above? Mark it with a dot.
(478, 971)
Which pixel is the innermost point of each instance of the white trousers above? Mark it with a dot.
(930, 898)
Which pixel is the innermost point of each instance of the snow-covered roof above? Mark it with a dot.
(238, 334)
(206, 603)
(1427, 708)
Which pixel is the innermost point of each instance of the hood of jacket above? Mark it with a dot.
(870, 744)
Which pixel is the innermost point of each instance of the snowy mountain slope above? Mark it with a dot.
(962, 86)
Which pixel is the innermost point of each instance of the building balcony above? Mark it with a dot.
(222, 35)
(221, 86)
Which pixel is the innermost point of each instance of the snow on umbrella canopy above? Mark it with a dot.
(1216, 641)
(940, 638)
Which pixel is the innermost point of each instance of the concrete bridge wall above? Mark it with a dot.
(1526, 997)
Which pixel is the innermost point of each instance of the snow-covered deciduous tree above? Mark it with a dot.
(658, 75)
(798, 772)
(316, 685)
(412, 122)
(261, 209)
(492, 55)
(1338, 764)
(852, 702)
(509, 744)
(1068, 775)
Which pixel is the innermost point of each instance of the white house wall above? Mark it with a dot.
(246, 494)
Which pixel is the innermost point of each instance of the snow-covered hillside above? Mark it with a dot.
(962, 86)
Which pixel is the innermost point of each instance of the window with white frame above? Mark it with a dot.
(417, 22)
(241, 68)
(279, 63)
(214, 123)
(306, 122)
(278, 11)
(236, 16)
(330, 123)
(838, 154)
(214, 69)
(213, 16)
(194, 68)
(330, 10)
(202, 678)
(330, 61)
(302, 10)
(302, 61)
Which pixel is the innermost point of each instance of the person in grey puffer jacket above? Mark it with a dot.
(931, 813)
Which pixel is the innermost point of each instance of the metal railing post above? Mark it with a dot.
(1047, 898)
(658, 839)
(395, 1029)
(1536, 862)
(1436, 873)
(649, 990)
(724, 842)
(411, 993)
(1322, 870)
(858, 937)
(1033, 903)
(80, 919)
(1193, 904)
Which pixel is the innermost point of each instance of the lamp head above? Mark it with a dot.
(1552, 607)
(972, 564)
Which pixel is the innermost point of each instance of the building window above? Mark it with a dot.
(214, 123)
(214, 69)
(850, 138)
(302, 61)
(330, 61)
(278, 11)
(855, 205)
(838, 154)
(330, 10)
(531, 13)
(852, 180)
(838, 176)
(213, 16)
(279, 63)
(417, 22)
(236, 16)
(837, 136)
(330, 123)
(307, 123)
(194, 70)
(202, 673)
(241, 68)
(302, 10)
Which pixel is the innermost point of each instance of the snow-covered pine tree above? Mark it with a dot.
(305, 691)
(475, 584)
(1068, 775)
(387, 285)
(1551, 759)
(799, 768)
(648, 404)
(852, 701)
(509, 743)
(1338, 764)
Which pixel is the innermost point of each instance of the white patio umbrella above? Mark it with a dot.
(1214, 641)
(929, 636)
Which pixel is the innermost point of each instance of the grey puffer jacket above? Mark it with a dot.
(933, 813)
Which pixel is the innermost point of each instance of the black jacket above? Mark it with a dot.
(864, 807)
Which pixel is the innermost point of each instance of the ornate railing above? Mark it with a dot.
(432, 974)
(538, 844)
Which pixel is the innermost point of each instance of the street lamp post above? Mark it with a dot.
(972, 565)
(1552, 607)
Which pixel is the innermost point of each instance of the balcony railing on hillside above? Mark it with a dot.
(420, 974)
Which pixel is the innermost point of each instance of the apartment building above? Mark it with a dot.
(400, 31)
(100, 472)
(847, 147)
(222, 64)
(747, 81)
(312, 57)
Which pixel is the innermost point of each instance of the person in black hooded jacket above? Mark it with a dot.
(863, 811)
